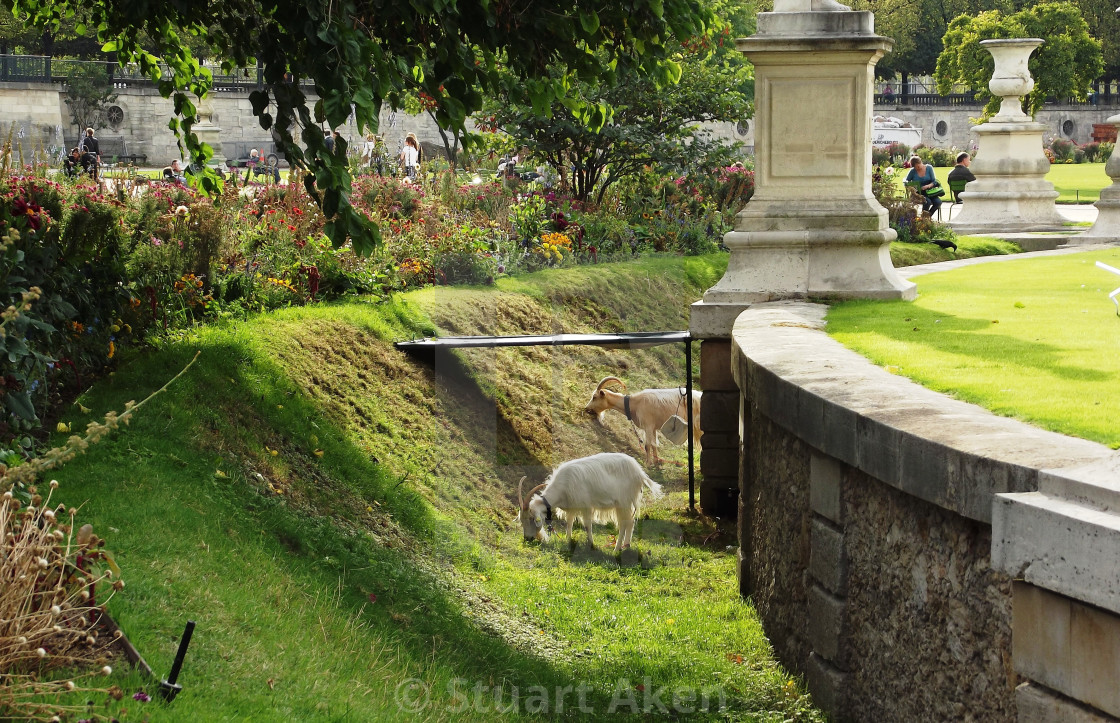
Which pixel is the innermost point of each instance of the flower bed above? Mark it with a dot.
(89, 268)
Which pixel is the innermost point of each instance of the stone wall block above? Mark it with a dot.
(828, 625)
(719, 412)
(878, 450)
(1041, 642)
(827, 684)
(810, 423)
(825, 478)
(1095, 647)
(841, 440)
(828, 561)
(720, 463)
(715, 365)
(930, 471)
(1038, 705)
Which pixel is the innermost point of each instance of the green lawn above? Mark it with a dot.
(1036, 339)
(1078, 182)
(337, 519)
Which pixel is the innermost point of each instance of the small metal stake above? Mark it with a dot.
(167, 688)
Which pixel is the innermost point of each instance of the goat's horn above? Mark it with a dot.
(520, 499)
(610, 379)
(532, 492)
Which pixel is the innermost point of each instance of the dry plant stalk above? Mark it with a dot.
(49, 573)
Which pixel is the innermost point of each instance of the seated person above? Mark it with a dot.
(922, 174)
(961, 171)
(174, 173)
(72, 163)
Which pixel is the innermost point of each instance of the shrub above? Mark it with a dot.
(1092, 151)
(943, 157)
(1062, 149)
(1106, 150)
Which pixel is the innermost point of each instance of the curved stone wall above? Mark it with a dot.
(866, 538)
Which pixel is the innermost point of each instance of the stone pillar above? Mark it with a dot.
(209, 133)
(1062, 544)
(813, 227)
(1010, 192)
(1106, 229)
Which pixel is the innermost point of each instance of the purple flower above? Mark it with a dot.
(141, 696)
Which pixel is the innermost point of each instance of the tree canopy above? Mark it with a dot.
(1065, 65)
(646, 124)
(361, 54)
(917, 27)
(1104, 25)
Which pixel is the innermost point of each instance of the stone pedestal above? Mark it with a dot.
(1010, 192)
(209, 133)
(1106, 229)
(813, 227)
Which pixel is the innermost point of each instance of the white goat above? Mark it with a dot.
(648, 409)
(600, 488)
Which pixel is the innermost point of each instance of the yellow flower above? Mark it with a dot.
(62, 427)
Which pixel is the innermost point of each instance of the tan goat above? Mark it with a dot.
(648, 410)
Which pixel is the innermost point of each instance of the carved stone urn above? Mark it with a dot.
(1010, 192)
(1011, 79)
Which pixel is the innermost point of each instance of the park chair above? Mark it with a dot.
(955, 190)
(914, 188)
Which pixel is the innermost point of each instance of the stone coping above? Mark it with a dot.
(950, 453)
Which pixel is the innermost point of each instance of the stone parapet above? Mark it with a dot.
(883, 526)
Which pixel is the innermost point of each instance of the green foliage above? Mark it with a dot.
(89, 94)
(1065, 65)
(369, 54)
(917, 27)
(637, 123)
(1104, 25)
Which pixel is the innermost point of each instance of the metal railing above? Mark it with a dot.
(46, 69)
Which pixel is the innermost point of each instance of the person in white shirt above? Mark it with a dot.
(410, 156)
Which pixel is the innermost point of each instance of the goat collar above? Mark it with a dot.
(626, 407)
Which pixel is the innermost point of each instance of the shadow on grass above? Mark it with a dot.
(957, 335)
(246, 562)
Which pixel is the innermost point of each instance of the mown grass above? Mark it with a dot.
(1078, 182)
(1036, 339)
(337, 519)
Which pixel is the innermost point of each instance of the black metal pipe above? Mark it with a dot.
(167, 688)
(688, 392)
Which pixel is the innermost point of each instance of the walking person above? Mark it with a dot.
(410, 156)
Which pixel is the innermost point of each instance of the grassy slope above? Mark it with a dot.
(277, 555)
(1036, 339)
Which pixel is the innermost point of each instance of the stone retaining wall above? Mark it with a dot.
(866, 538)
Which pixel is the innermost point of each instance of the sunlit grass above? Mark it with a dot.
(1036, 339)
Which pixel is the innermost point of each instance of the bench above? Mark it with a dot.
(115, 150)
